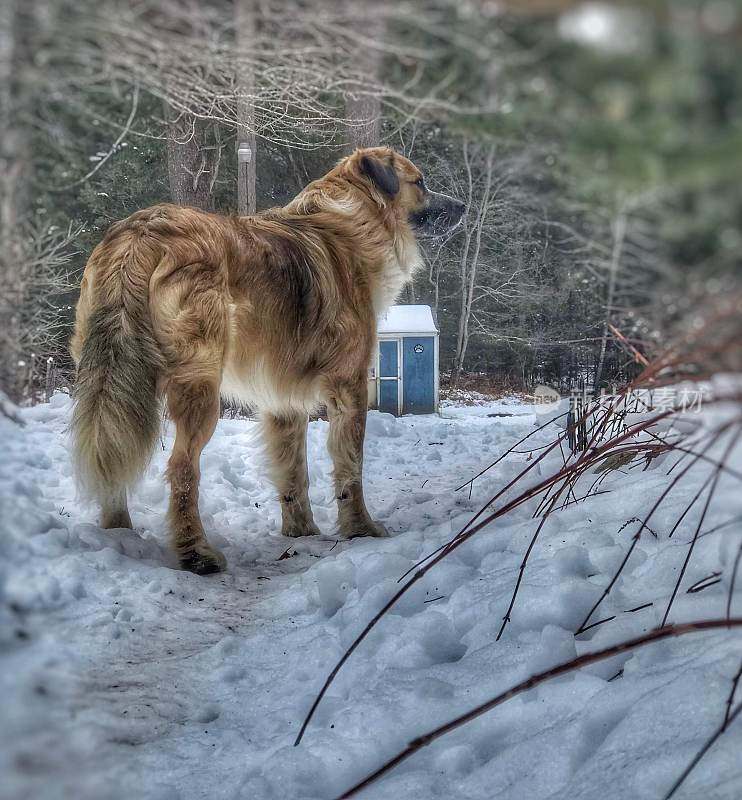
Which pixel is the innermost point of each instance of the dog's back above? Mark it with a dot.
(264, 310)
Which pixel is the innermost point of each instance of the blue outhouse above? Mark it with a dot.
(404, 376)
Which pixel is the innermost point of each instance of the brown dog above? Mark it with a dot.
(277, 310)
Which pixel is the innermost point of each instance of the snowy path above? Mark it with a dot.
(124, 678)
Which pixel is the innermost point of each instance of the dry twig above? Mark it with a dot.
(549, 674)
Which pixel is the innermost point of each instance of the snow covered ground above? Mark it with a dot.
(121, 677)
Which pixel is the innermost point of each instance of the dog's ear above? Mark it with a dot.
(382, 175)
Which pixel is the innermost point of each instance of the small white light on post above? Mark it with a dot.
(244, 157)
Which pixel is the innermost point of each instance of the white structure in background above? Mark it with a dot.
(403, 378)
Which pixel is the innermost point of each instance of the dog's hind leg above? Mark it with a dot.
(194, 407)
(286, 442)
(346, 408)
(193, 341)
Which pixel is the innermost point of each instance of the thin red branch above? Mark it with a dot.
(634, 539)
(492, 500)
(586, 460)
(702, 752)
(727, 452)
(645, 526)
(510, 450)
(730, 698)
(733, 579)
(522, 568)
(535, 680)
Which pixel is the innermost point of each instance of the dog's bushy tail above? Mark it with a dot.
(116, 417)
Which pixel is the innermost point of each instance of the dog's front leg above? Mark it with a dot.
(346, 408)
(286, 440)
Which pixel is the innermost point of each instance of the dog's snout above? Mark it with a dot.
(440, 216)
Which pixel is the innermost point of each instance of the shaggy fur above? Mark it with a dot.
(276, 310)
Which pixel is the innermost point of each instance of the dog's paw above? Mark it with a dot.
(116, 519)
(364, 528)
(203, 559)
(295, 530)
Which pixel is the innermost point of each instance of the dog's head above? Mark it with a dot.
(393, 181)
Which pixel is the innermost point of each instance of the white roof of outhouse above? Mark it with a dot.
(407, 319)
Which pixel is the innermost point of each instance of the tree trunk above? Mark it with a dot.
(364, 115)
(437, 288)
(469, 268)
(619, 234)
(191, 161)
(246, 25)
(362, 106)
(16, 22)
(193, 144)
(458, 362)
(14, 160)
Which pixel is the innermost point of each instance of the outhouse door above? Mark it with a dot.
(418, 360)
(389, 376)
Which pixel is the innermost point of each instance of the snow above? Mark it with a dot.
(123, 677)
(407, 319)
